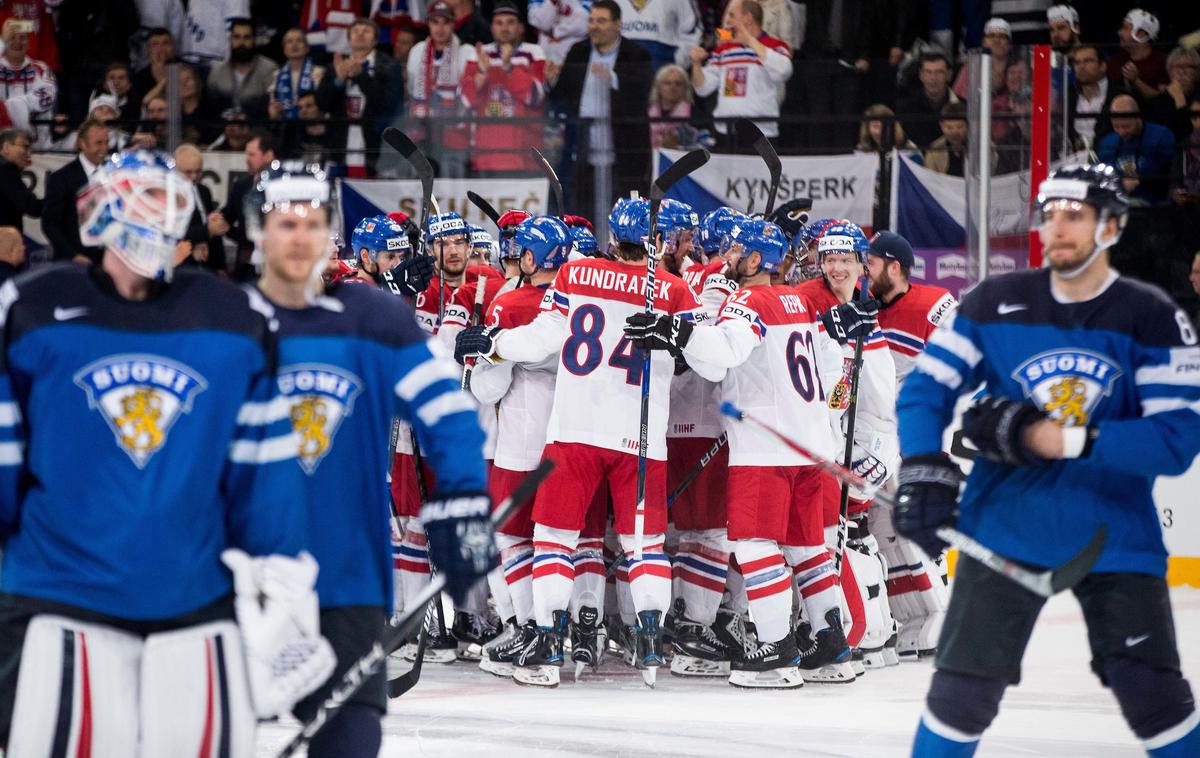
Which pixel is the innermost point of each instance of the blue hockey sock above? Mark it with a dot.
(355, 732)
(945, 742)
(1180, 741)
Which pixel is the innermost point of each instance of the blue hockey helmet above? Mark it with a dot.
(547, 238)
(446, 224)
(629, 220)
(715, 227)
(584, 242)
(377, 234)
(843, 237)
(137, 205)
(763, 237)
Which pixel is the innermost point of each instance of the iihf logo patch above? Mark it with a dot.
(1067, 384)
(321, 396)
(140, 396)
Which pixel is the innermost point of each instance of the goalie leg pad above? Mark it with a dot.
(77, 691)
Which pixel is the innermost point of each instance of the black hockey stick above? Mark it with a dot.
(695, 472)
(747, 131)
(476, 318)
(406, 681)
(484, 207)
(555, 184)
(398, 631)
(839, 549)
(403, 144)
(1044, 583)
(679, 169)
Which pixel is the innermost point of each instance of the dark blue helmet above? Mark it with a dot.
(444, 225)
(1097, 184)
(629, 220)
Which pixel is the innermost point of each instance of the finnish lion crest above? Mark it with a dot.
(1068, 384)
(320, 396)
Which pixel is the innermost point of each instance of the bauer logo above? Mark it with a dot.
(321, 396)
(140, 397)
(1067, 384)
(952, 265)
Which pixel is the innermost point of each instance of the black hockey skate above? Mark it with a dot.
(588, 640)
(826, 658)
(674, 615)
(730, 630)
(472, 632)
(647, 645)
(772, 666)
(620, 638)
(498, 656)
(537, 664)
(440, 647)
(698, 651)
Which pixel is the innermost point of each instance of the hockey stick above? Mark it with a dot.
(748, 131)
(484, 207)
(1044, 583)
(695, 472)
(681, 168)
(476, 317)
(398, 631)
(403, 144)
(851, 415)
(555, 184)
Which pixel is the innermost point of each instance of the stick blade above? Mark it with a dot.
(403, 144)
(1073, 571)
(679, 169)
(484, 206)
(409, 679)
(747, 131)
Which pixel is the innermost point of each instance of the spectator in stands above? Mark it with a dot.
(297, 75)
(235, 135)
(1089, 101)
(560, 24)
(16, 199)
(90, 35)
(917, 110)
(12, 252)
(947, 153)
(43, 42)
(668, 29)
(197, 111)
(230, 221)
(366, 87)
(1016, 86)
(405, 38)
(435, 67)
(313, 139)
(671, 98)
(871, 131)
(1170, 108)
(997, 38)
(60, 219)
(118, 83)
(1141, 68)
(102, 108)
(160, 50)
(1141, 150)
(1187, 190)
(152, 132)
(506, 79)
(200, 249)
(24, 79)
(1025, 19)
(779, 23)
(745, 72)
(607, 76)
(325, 24)
(470, 26)
(244, 79)
(1063, 22)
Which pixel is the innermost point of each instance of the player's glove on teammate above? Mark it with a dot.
(926, 499)
(996, 427)
(650, 331)
(852, 320)
(411, 276)
(462, 542)
(475, 341)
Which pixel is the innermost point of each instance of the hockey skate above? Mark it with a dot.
(441, 647)
(890, 656)
(588, 641)
(472, 632)
(499, 654)
(537, 664)
(856, 663)
(771, 666)
(826, 658)
(730, 630)
(698, 651)
(647, 645)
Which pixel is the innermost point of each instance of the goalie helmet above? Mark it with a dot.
(378, 234)
(547, 238)
(138, 206)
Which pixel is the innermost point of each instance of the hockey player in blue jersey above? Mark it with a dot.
(350, 358)
(132, 456)
(1092, 388)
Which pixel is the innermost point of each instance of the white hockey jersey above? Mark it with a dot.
(597, 396)
(669, 29)
(695, 409)
(206, 29)
(29, 92)
(747, 85)
(560, 24)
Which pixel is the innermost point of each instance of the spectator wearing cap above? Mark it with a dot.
(469, 26)
(1170, 107)
(234, 135)
(435, 68)
(244, 79)
(1141, 150)
(607, 77)
(889, 262)
(297, 75)
(1139, 67)
(367, 87)
(997, 38)
(16, 199)
(920, 110)
(947, 154)
(1090, 98)
(1062, 21)
(505, 79)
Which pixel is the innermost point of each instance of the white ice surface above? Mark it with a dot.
(1058, 710)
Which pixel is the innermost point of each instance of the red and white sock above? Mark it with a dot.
(768, 587)
(553, 571)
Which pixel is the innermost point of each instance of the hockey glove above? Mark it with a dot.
(649, 331)
(996, 427)
(409, 277)
(852, 320)
(926, 499)
(462, 542)
(869, 467)
(475, 341)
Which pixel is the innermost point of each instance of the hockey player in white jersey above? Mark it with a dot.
(669, 29)
(592, 436)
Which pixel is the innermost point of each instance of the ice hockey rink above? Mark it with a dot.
(1058, 710)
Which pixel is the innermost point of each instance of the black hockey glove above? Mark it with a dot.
(475, 341)
(649, 331)
(926, 499)
(409, 277)
(852, 320)
(462, 542)
(996, 427)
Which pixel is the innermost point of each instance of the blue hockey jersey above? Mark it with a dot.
(1125, 361)
(347, 365)
(127, 463)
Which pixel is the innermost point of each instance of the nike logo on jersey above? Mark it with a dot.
(66, 314)
(1131, 641)
(1004, 308)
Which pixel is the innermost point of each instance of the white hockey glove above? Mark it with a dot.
(277, 611)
